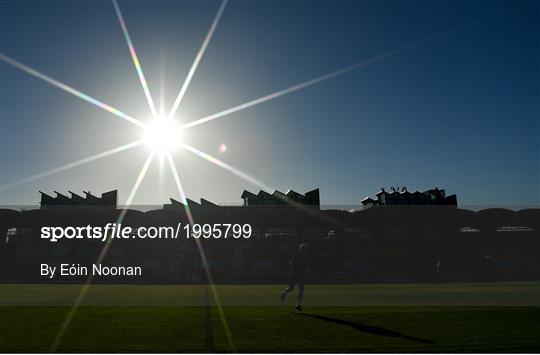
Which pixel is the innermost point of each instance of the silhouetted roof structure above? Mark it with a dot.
(107, 200)
(278, 198)
(192, 204)
(433, 196)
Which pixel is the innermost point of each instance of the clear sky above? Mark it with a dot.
(460, 111)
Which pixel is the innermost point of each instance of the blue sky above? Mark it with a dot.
(460, 111)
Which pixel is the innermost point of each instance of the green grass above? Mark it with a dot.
(385, 329)
(482, 317)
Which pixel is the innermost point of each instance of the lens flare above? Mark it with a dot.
(261, 185)
(162, 135)
(331, 75)
(74, 164)
(197, 60)
(183, 198)
(226, 166)
(73, 310)
(202, 254)
(69, 89)
(135, 59)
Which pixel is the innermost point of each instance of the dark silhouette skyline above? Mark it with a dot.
(277, 198)
(383, 244)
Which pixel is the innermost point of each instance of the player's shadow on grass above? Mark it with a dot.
(366, 328)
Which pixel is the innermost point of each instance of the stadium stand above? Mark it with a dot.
(382, 244)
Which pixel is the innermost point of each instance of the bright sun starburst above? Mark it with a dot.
(162, 135)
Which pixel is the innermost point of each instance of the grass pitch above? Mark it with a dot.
(467, 317)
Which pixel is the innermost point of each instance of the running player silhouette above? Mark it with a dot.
(297, 276)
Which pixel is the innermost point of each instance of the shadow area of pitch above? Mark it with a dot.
(366, 328)
(208, 329)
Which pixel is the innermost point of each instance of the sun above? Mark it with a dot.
(162, 135)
